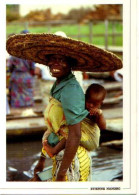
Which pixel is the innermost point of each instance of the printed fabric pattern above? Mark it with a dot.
(21, 82)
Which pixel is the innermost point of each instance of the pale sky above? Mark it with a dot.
(55, 8)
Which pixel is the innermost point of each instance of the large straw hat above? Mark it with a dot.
(36, 47)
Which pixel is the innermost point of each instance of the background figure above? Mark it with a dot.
(25, 31)
(21, 82)
(117, 75)
(79, 77)
(7, 86)
(7, 106)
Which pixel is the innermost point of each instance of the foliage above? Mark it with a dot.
(72, 31)
(77, 14)
(82, 14)
(12, 13)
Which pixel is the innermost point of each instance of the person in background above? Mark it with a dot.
(7, 87)
(21, 81)
(117, 75)
(7, 106)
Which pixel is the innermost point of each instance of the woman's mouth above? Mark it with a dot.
(54, 70)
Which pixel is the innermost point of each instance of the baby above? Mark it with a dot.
(94, 97)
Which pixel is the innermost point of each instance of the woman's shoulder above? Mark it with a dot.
(73, 89)
(73, 84)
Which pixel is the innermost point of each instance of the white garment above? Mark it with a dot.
(118, 75)
(45, 72)
(79, 77)
(7, 106)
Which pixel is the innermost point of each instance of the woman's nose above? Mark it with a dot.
(55, 60)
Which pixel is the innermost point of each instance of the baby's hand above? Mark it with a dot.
(50, 150)
(95, 112)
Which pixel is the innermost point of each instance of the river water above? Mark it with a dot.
(107, 163)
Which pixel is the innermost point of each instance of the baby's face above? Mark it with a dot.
(93, 103)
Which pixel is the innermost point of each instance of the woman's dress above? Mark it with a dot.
(21, 82)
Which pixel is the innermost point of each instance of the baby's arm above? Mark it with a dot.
(101, 122)
(51, 151)
(97, 116)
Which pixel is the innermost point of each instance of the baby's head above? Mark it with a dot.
(94, 96)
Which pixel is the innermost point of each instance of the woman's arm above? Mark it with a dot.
(71, 147)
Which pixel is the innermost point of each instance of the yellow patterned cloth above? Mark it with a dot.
(80, 168)
(56, 122)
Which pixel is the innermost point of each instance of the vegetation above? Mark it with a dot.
(12, 12)
(72, 31)
(81, 30)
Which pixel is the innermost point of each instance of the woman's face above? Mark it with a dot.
(58, 66)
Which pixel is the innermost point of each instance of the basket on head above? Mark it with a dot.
(36, 47)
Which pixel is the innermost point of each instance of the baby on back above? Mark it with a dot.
(54, 138)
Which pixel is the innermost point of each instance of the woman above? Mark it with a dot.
(61, 55)
(21, 82)
(67, 90)
(55, 137)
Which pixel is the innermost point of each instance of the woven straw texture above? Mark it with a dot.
(36, 47)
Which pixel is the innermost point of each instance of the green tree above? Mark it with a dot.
(12, 12)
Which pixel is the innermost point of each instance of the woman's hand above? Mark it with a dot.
(50, 150)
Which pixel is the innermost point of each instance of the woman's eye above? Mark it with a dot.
(49, 64)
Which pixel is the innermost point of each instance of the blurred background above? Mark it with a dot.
(97, 24)
(101, 25)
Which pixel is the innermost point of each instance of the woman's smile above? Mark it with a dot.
(55, 70)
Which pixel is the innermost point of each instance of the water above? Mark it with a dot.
(107, 164)
(22, 156)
